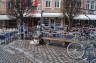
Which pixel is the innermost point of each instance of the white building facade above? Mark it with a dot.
(50, 11)
(52, 16)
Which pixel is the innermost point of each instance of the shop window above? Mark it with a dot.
(58, 23)
(46, 23)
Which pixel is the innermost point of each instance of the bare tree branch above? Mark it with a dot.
(71, 8)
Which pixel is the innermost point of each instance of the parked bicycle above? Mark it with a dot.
(85, 51)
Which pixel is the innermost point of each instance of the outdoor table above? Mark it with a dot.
(58, 37)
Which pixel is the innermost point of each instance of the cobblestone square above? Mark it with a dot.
(38, 53)
(21, 51)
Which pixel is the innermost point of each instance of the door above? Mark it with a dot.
(52, 23)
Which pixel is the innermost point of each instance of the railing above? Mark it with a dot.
(8, 36)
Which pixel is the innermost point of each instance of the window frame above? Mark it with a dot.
(49, 3)
(90, 5)
(56, 3)
(46, 22)
(58, 23)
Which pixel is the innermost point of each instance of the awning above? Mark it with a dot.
(79, 17)
(85, 17)
(52, 15)
(32, 15)
(6, 17)
(44, 15)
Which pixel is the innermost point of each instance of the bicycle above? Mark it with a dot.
(84, 51)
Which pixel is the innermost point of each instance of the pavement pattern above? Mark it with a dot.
(6, 57)
(39, 53)
(21, 51)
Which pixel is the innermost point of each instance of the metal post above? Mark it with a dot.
(41, 28)
(41, 17)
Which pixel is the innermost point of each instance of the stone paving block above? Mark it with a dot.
(6, 57)
(41, 53)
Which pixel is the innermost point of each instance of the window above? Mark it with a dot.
(90, 5)
(48, 3)
(58, 22)
(46, 22)
(78, 4)
(57, 3)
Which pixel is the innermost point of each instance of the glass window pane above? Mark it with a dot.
(47, 3)
(57, 3)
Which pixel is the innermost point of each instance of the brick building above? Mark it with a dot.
(88, 15)
(89, 6)
(51, 13)
(5, 19)
(3, 7)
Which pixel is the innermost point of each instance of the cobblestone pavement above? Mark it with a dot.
(40, 53)
(6, 57)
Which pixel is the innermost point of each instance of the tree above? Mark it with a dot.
(70, 8)
(17, 8)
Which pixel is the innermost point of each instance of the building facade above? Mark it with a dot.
(89, 6)
(52, 13)
(3, 7)
(49, 12)
(5, 19)
(88, 15)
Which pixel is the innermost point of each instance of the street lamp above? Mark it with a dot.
(41, 29)
(42, 17)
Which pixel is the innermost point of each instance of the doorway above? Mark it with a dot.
(52, 23)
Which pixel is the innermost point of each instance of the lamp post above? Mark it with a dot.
(42, 17)
(41, 21)
(41, 29)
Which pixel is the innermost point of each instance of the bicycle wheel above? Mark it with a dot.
(81, 61)
(75, 50)
(93, 61)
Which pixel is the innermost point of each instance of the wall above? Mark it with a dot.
(87, 11)
(52, 8)
(3, 7)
